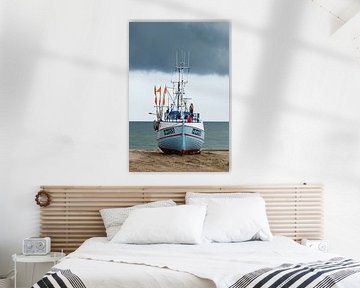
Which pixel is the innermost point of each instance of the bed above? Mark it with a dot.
(294, 213)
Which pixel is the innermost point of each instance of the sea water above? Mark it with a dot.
(143, 137)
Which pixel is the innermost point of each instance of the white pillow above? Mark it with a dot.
(180, 224)
(236, 220)
(113, 218)
(204, 198)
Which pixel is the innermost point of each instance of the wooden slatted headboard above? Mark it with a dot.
(73, 215)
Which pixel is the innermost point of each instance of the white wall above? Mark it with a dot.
(63, 86)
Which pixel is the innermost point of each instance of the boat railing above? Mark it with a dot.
(196, 117)
(189, 117)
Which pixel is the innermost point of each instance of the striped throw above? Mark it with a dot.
(320, 274)
(59, 278)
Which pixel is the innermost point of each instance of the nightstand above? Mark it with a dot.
(320, 245)
(53, 257)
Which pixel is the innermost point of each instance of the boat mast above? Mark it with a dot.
(181, 66)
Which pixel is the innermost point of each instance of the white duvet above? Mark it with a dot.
(100, 263)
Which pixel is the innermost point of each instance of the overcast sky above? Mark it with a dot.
(152, 50)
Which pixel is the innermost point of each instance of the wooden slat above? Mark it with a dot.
(73, 216)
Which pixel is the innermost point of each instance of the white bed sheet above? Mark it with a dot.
(100, 263)
(122, 275)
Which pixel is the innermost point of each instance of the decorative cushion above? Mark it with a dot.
(113, 218)
(236, 220)
(172, 225)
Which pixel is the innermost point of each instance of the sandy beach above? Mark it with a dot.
(156, 161)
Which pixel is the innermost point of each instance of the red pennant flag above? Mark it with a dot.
(163, 100)
(155, 100)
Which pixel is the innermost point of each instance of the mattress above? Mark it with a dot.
(99, 263)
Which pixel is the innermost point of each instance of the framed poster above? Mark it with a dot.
(179, 96)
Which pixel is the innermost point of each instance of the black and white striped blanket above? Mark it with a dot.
(59, 278)
(320, 274)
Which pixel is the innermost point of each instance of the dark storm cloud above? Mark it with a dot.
(153, 46)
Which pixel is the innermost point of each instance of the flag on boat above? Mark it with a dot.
(163, 100)
(157, 90)
(155, 100)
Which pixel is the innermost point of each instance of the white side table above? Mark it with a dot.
(53, 257)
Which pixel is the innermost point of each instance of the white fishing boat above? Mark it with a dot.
(178, 128)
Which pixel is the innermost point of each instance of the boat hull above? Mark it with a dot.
(181, 138)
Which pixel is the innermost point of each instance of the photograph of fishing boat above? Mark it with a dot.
(179, 96)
